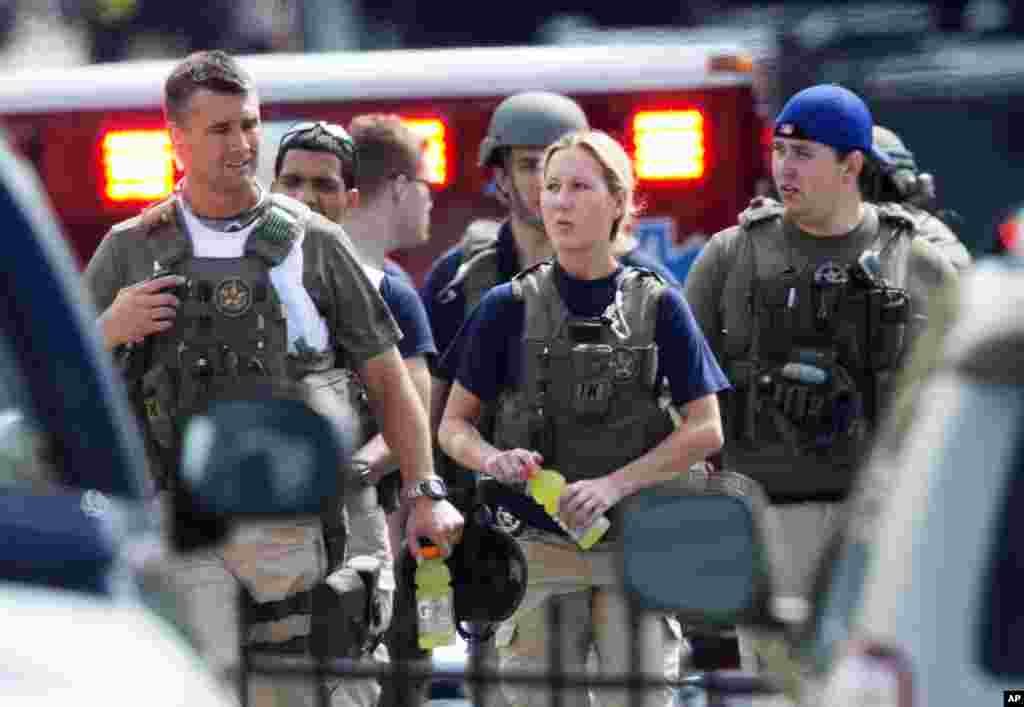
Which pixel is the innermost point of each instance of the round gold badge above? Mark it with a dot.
(233, 297)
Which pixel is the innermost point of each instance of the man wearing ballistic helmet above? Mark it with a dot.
(321, 165)
(811, 305)
(222, 287)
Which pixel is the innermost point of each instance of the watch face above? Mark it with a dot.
(434, 488)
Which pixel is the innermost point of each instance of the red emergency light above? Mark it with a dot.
(669, 145)
(138, 165)
(436, 148)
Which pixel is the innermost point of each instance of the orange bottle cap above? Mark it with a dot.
(429, 552)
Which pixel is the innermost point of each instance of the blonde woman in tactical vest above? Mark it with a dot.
(572, 353)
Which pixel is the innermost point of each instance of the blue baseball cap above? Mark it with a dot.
(831, 115)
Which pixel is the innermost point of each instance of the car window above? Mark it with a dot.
(1001, 641)
(25, 464)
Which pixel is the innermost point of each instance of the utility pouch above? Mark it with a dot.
(780, 304)
(890, 309)
(159, 405)
(592, 388)
(347, 618)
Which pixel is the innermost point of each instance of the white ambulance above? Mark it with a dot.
(686, 112)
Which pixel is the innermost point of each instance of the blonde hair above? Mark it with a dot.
(616, 166)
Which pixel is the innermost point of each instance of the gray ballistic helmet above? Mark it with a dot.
(531, 119)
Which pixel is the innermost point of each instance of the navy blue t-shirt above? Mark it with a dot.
(395, 270)
(489, 351)
(446, 309)
(407, 309)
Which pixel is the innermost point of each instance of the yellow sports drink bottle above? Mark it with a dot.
(546, 486)
(434, 599)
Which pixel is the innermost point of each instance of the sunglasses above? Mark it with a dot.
(330, 129)
(344, 146)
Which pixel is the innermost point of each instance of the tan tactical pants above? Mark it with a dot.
(273, 561)
(595, 629)
(798, 534)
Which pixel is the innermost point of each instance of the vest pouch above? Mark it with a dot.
(889, 314)
(159, 403)
(198, 371)
(636, 363)
(779, 304)
(592, 380)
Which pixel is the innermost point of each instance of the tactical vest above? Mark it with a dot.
(588, 396)
(816, 368)
(478, 270)
(230, 328)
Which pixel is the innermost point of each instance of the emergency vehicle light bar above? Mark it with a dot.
(435, 133)
(138, 165)
(668, 145)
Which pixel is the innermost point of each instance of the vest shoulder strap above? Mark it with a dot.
(521, 277)
(159, 214)
(161, 225)
(280, 227)
(636, 276)
(759, 212)
(478, 266)
(896, 217)
(480, 235)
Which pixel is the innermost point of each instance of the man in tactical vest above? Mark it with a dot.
(224, 285)
(811, 305)
(900, 182)
(321, 165)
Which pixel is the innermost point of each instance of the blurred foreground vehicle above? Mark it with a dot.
(86, 615)
(688, 113)
(921, 598)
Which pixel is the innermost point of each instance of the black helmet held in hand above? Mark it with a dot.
(488, 571)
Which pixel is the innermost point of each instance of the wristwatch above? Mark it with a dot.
(433, 487)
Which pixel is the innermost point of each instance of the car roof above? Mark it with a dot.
(94, 651)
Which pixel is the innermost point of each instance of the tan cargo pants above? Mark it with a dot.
(595, 630)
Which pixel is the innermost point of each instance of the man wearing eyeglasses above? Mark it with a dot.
(320, 165)
(270, 289)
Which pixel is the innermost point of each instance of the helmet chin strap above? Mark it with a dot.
(517, 205)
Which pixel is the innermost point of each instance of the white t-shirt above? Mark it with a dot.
(303, 319)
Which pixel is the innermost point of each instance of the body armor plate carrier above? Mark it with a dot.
(817, 366)
(589, 398)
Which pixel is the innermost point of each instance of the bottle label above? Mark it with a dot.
(435, 615)
(588, 536)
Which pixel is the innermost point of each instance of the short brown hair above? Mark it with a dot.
(386, 148)
(213, 70)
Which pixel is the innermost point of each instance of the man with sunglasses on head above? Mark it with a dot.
(321, 165)
(223, 286)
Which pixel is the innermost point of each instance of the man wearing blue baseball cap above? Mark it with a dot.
(811, 304)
